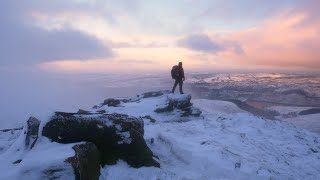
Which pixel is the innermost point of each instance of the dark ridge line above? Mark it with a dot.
(286, 104)
(267, 114)
(309, 111)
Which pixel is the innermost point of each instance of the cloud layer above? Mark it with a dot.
(288, 40)
(203, 43)
(24, 43)
(204, 34)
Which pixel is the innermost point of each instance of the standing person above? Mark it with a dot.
(177, 74)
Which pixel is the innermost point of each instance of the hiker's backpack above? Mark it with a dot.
(175, 72)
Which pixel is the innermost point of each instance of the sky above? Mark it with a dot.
(101, 36)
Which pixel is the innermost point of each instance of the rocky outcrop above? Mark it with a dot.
(31, 132)
(116, 102)
(181, 103)
(86, 161)
(102, 135)
(81, 111)
(153, 94)
(111, 102)
(117, 136)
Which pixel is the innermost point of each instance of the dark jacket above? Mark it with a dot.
(181, 73)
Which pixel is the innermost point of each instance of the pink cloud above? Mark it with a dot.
(289, 41)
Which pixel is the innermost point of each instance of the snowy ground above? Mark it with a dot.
(225, 143)
(44, 161)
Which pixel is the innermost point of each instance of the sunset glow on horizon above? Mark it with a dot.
(140, 35)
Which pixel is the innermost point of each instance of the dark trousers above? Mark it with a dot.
(180, 82)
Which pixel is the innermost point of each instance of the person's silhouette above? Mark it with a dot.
(177, 74)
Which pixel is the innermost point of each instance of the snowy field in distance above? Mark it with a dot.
(25, 94)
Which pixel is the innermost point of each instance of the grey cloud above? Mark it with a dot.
(22, 43)
(234, 46)
(203, 43)
(309, 8)
(200, 42)
(245, 9)
(135, 61)
(137, 44)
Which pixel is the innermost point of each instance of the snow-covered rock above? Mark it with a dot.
(117, 136)
(46, 160)
(164, 104)
(8, 137)
(31, 131)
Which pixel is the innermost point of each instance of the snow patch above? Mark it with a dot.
(125, 138)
